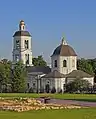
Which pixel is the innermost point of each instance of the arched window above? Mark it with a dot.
(17, 44)
(55, 63)
(64, 63)
(73, 63)
(26, 44)
(17, 57)
(27, 58)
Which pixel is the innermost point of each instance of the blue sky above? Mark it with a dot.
(48, 21)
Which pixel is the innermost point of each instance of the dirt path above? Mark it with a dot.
(81, 103)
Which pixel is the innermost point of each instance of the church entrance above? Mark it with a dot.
(47, 88)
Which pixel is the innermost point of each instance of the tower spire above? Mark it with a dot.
(64, 41)
(21, 25)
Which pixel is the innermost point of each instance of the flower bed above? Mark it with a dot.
(26, 104)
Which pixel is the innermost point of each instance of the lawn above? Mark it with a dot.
(81, 97)
(89, 113)
(51, 114)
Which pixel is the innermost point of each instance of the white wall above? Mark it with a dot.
(60, 59)
(32, 78)
(70, 67)
(45, 81)
(58, 83)
(53, 58)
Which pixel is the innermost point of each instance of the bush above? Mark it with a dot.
(78, 86)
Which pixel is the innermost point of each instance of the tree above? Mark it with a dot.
(78, 85)
(92, 62)
(4, 74)
(1, 76)
(85, 66)
(19, 76)
(15, 78)
(39, 61)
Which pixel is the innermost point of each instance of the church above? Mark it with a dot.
(45, 79)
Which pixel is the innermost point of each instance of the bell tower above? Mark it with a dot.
(22, 45)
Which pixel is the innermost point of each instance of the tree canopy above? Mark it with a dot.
(19, 76)
(16, 77)
(87, 65)
(39, 61)
(5, 66)
(78, 85)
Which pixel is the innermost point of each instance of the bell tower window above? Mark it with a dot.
(26, 44)
(16, 58)
(64, 63)
(27, 58)
(17, 44)
(55, 63)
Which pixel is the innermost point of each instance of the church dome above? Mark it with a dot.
(64, 50)
(21, 33)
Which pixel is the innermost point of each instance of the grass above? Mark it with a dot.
(89, 113)
(80, 97)
(51, 114)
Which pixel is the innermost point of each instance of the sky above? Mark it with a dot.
(48, 21)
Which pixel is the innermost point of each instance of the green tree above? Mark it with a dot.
(1, 76)
(19, 76)
(85, 66)
(39, 61)
(4, 74)
(78, 85)
(92, 62)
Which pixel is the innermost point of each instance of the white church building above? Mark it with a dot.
(63, 64)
